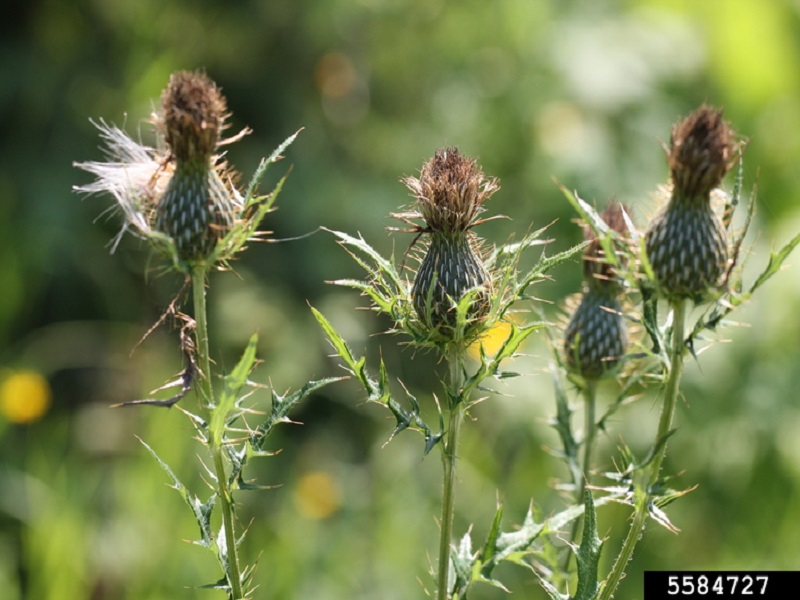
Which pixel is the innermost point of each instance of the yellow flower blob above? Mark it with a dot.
(491, 341)
(24, 397)
(317, 495)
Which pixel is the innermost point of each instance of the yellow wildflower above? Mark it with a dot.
(24, 397)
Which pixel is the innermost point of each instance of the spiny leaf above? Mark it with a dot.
(234, 382)
(462, 559)
(378, 391)
(588, 554)
(491, 366)
(281, 405)
(587, 213)
(384, 266)
(562, 425)
(490, 546)
(545, 264)
(775, 263)
(551, 589)
(264, 164)
(201, 510)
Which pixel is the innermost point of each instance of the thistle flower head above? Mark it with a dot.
(686, 244)
(701, 152)
(179, 195)
(450, 192)
(193, 115)
(595, 338)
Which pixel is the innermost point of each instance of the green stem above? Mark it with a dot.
(590, 431)
(589, 435)
(643, 495)
(449, 457)
(215, 441)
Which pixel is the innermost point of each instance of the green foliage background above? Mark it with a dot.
(580, 91)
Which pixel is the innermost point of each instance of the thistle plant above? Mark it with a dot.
(181, 197)
(596, 336)
(691, 252)
(460, 291)
(686, 254)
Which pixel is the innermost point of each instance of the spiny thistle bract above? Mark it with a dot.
(596, 336)
(450, 193)
(686, 244)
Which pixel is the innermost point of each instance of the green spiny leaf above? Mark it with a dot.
(263, 165)
(384, 266)
(234, 382)
(491, 366)
(281, 405)
(201, 510)
(563, 426)
(587, 213)
(490, 546)
(588, 554)
(775, 263)
(378, 391)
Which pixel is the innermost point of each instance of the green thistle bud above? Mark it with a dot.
(197, 208)
(686, 244)
(450, 193)
(596, 337)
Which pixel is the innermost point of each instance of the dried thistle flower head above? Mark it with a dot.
(702, 151)
(686, 244)
(449, 193)
(193, 115)
(595, 338)
(180, 195)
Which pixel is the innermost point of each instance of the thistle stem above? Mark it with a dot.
(215, 442)
(456, 411)
(643, 495)
(589, 436)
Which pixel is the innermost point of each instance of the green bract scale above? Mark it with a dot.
(596, 337)
(196, 209)
(686, 243)
(450, 192)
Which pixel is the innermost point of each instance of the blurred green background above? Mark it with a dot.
(584, 92)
